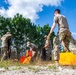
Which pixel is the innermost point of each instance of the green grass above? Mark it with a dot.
(11, 62)
(52, 67)
(7, 63)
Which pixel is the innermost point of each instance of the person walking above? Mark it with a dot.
(48, 48)
(63, 29)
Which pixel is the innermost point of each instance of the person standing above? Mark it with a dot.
(48, 47)
(4, 49)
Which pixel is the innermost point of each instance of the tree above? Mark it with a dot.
(23, 30)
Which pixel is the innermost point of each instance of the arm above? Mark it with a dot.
(52, 29)
(46, 44)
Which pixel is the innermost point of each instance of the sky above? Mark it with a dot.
(41, 11)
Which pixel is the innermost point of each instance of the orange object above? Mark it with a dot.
(29, 53)
(26, 59)
(67, 58)
(22, 58)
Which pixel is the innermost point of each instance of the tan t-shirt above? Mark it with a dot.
(62, 23)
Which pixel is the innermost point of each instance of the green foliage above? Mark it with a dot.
(23, 30)
(41, 32)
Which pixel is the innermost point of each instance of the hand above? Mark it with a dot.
(48, 36)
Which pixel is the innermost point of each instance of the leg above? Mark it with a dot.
(9, 52)
(66, 38)
(64, 45)
(66, 41)
(56, 55)
(4, 55)
(43, 54)
(48, 54)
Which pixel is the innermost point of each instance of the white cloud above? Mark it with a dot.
(74, 33)
(28, 8)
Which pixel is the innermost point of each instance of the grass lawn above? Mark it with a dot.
(12, 62)
(7, 63)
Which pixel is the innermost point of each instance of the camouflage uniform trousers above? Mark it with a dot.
(66, 37)
(56, 47)
(56, 52)
(4, 53)
(48, 54)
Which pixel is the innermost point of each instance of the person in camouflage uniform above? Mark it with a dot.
(34, 50)
(48, 48)
(4, 49)
(64, 33)
(63, 29)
